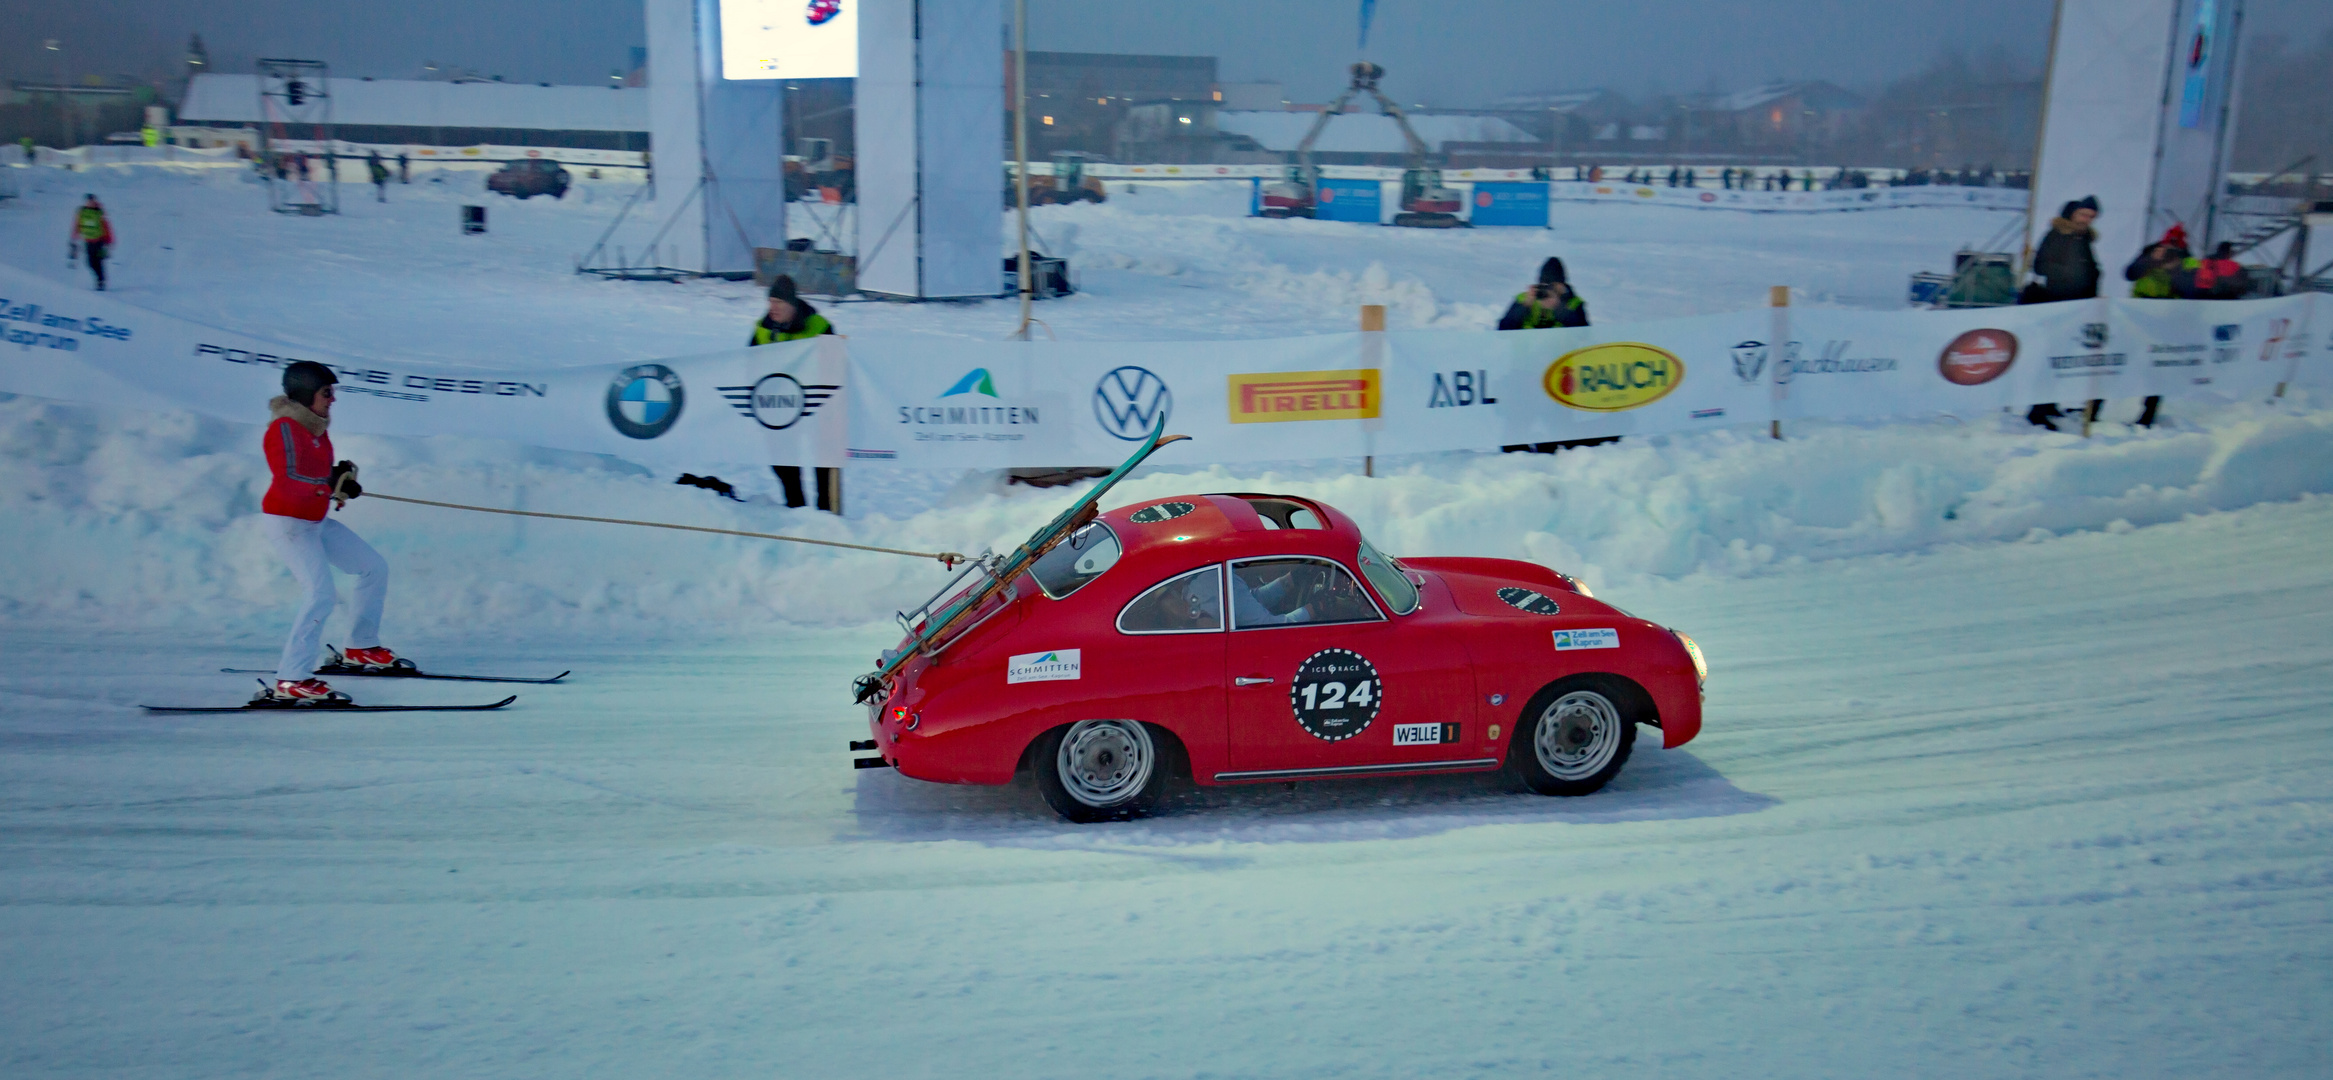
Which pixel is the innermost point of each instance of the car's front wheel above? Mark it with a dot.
(1099, 770)
(1574, 737)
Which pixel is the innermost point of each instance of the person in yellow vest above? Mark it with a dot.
(1548, 304)
(94, 234)
(791, 318)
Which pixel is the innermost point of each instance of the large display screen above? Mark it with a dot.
(789, 39)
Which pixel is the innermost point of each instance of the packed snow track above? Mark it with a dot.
(2059, 808)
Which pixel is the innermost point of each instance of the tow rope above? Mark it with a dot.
(947, 559)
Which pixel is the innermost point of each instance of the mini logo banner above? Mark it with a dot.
(1600, 638)
(1054, 666)
(1304, 395)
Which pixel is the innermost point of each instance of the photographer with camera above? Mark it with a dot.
(1550, 303)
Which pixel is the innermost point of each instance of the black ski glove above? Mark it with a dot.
(344, 485)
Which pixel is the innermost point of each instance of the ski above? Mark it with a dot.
(401, 673)
(320, 705)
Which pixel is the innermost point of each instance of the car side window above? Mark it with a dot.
(1190, 603)
(1296, 590)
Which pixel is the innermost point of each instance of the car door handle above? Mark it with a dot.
(1251, 680)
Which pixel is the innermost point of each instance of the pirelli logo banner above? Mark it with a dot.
(1353, 394)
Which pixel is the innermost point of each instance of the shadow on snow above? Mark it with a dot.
(1657, 785)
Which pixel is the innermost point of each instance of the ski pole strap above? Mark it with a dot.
(947, 559)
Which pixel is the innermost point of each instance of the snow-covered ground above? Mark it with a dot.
(2015, 764)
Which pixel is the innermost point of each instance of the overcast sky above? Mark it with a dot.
(1453, 52)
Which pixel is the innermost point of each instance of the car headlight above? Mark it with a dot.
(1692, 649)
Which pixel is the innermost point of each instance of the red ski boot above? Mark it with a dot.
(377, 658)
(308, 692)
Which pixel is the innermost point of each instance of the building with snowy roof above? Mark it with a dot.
(1782, 114)
(428, 113)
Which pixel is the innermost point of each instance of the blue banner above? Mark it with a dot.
(1348, 200)
(1510, 203)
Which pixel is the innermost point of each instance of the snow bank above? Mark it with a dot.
(141, 520)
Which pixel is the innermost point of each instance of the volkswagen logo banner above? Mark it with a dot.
(1130, 401)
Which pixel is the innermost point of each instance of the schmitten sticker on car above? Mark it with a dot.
(1599, 638)
(1052, 666)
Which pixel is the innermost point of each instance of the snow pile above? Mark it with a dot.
(147, 520)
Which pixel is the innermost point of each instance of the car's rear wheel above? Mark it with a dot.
(1099, 770)
(1574, 738)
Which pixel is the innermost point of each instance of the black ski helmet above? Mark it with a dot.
(1551, 272)
(302, 378)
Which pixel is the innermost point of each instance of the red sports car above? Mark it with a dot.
(1244, 638)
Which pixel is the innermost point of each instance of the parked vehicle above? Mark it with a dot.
(529, 177)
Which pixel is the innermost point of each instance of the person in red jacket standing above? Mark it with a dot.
(305, 483)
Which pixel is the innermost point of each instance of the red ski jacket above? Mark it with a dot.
(299, 465)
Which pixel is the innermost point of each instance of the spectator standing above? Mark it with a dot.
(2150, 273)
(2150, 276)
(2219, 277)
(2067, 265)
(791, 318)
(380, 174)
(404, 168)
(1548, 304)
(94, 234)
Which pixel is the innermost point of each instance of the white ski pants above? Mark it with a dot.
(312, 549)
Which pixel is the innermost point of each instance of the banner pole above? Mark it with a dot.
(1373, 357)
(1777, 349)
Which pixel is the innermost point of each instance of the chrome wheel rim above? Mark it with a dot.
(1577, 735)
(1105, 762)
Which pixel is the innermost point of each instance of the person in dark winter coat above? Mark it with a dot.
(2068, 268)
(2065, 261)
(1550, 303)
(379, 171)
(791, 318)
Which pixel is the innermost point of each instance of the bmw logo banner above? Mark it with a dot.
(957, 404)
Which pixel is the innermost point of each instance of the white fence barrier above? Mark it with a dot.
(952, 405)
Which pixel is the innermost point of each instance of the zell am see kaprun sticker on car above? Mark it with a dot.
(1335, 694)
(1600, 638)
(1537, 603)
(1165, 511)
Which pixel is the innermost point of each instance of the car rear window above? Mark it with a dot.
(1087, 553)
(1188, 603)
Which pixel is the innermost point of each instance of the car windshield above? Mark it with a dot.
(1395, 586)
(1073, 562)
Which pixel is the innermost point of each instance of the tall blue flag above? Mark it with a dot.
(1368, 8)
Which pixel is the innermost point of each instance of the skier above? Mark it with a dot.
(304, 484)
(404, 168)
(791, 318)
(380, 174)
(91, 235)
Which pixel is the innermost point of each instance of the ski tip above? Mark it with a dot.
(559, 676)
(503, 702)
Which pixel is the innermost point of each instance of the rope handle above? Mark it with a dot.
(947, 559)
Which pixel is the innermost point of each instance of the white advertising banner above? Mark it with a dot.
(918, 403)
